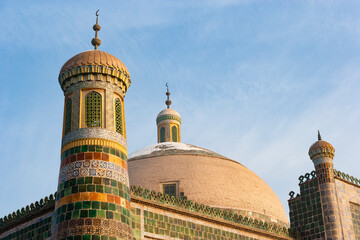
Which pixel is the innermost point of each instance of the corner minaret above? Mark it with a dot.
(322, 154)
(168, 123)
(93, 197)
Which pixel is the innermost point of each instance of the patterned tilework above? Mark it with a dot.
(92, 148)
(355, 214)
(93, 200)
(39, 228)
(325, 173)
(173, 227)
(348, 199)
(136, 223)
(306, 212)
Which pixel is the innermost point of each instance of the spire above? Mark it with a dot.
(167, 102)
(319, 136)
(96, 41)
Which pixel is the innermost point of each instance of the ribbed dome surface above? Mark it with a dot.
(168, 111)
(94, 57)
(320, 144)
(205, 177)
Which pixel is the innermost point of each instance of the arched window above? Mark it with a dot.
(93, 103)
(118, 117)
(68, 111)
(162, 134)
(174, 134)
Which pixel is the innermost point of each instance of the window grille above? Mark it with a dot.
(162, 134)
(118, 116)
(170, 189)
(174, 134)
(93, 103)
(68, 111)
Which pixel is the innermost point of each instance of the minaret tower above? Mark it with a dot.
(93, 199)
(322, 154)
(168, 123)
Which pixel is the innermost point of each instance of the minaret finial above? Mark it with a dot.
(319, 136)
(167, 102)
(96, 41)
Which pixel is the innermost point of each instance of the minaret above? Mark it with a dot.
(168, 123)
(93, 198)
(322, 154)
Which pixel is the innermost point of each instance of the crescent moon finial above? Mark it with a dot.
(97, 13)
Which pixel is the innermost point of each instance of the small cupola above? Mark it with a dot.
(168, 123)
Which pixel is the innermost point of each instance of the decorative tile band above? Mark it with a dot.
(95, 73)
(93, 168)
(156, 224)
(208, 211)
(95, 133)
(97, 152)
(168, 117)
(93, 229)
(92, 209)
(93, 184)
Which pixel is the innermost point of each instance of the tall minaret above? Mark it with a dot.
(322, 154)
(168, 123)
(93, 198)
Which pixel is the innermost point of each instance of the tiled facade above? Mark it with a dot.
(306, 212)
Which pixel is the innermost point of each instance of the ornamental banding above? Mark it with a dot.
(119, 78)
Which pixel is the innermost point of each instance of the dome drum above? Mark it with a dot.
(94, 65)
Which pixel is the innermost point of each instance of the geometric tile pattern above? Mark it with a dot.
(93, 109)
(93, 168)
(306, 212)
(93, 200)
(324, 173)
(172, 227)
(355, 215)
(95, 149)
(68, 113)
(38, 230)
(118, 117)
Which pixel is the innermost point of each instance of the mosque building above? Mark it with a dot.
(169, 190)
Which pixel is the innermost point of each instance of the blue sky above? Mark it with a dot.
(252, 80)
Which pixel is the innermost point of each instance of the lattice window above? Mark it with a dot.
(118, 117)
(174, 134)
(162, 134)
(93, 103)
(170, 189)
(68, 111)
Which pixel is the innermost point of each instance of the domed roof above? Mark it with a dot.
(205, 177)
(168, 111)
(320, 144)
(94, 57)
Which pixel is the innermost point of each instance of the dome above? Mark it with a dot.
(94, 57)
(205, 177)
(325, 148)
(168, 111)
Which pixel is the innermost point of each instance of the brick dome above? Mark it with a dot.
(207, 178)
(94, 57)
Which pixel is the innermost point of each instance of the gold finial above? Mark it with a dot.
(167, 102)
(319, 136)
(96, 41)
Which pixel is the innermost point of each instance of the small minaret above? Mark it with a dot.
(93, 195)
(322, 154)
(168, 123)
